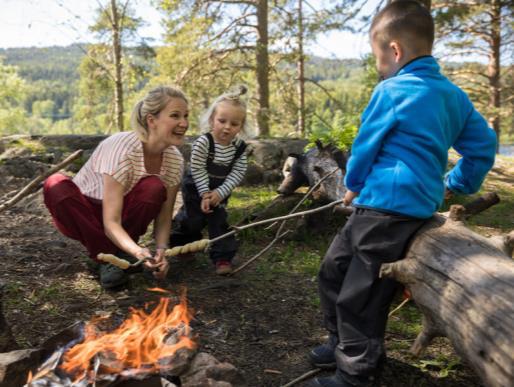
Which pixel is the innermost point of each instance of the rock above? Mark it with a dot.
(206, 371)
(266, 154)
(14, 366)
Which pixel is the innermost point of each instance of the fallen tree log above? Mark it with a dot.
(463, 284)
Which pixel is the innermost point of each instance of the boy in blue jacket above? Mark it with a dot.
(396, 180)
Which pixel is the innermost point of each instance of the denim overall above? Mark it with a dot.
(190, 220)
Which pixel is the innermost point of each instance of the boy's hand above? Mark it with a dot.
(448, 194)
(349, 196)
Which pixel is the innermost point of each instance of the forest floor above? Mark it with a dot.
(263, 320)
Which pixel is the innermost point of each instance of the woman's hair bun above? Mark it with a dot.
(243, 89)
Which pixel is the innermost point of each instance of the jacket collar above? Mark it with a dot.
(425, 62)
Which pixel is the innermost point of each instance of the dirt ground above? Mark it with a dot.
(264, 325)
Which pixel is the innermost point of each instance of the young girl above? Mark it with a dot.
(218, 165)
(130, 179)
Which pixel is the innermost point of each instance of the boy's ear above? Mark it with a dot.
(397, 50)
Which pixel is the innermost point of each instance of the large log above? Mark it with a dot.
(463, 284)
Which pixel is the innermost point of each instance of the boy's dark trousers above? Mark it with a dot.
(354, 301)
(190, 221)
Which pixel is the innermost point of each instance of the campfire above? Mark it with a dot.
(147, 344)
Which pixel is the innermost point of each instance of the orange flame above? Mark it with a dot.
(138, 343)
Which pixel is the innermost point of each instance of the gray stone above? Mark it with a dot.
(14, 366)
(206, 371)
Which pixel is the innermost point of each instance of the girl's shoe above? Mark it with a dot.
(223, 267)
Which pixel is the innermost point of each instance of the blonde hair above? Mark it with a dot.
(153, 102)
(233, 97)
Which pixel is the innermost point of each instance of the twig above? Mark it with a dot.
(302, 378)
(260, 252)
(398, 307)
(271, 220)
(306, 196)
(279, 235)
(34, 183)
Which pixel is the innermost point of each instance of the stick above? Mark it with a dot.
(279, 235)
(34, 183)
(205, 242)
(398, 307)
(261, 252)
(307, 195)
(302, 378)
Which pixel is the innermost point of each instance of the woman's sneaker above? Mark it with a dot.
(112, 276)
(223, 267)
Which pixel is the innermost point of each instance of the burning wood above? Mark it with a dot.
(145, 344)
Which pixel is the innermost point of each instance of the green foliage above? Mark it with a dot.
(341, 135)
(442, 365)
(12, 93)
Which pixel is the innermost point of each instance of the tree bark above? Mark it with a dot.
(262, 64)
(118, 82)
(301, 73)
(426, 3)
(464, 286)
(493, 68)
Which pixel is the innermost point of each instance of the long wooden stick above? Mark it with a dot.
(279, 234)
(302, 377)
(269, 246)
(34, 183)
(271, 220)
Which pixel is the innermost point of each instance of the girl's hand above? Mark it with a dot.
(215, 199)
(205, 205)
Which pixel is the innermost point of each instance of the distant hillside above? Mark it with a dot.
(45, 63)
(61, 63)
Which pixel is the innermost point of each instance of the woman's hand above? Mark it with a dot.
(142, 253)
(159, 265)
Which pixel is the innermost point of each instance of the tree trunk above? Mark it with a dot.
(426, 3)
(301, 73)
(493, 68)
(118, 82)
(464, 286)
(262, 64)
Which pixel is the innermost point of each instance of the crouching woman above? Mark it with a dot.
(130, 180)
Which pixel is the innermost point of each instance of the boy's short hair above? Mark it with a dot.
(406, 21)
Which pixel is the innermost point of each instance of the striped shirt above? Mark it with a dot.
(223, 154)
(121, 156)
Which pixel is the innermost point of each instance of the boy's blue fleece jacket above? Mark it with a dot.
(400, 154)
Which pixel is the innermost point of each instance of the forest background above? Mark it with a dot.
(210, 46)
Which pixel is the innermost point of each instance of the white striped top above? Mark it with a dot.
(121, 156)
(223, 154)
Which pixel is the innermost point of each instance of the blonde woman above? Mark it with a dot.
(130, 180)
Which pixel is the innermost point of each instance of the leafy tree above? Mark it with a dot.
(113, 63)
(483, 29)
(12, 93)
